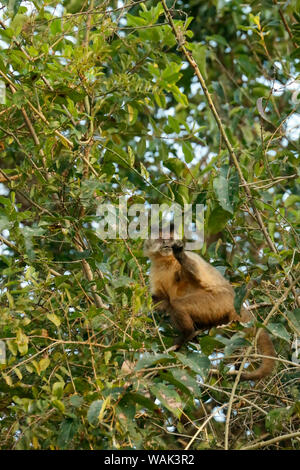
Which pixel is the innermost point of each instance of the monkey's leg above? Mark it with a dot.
(184, 323)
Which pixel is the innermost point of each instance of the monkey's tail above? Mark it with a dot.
(265, 347)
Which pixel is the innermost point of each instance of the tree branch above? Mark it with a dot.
(188, 55)
(260, 444)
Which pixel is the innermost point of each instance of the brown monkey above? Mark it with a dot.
(196, 296)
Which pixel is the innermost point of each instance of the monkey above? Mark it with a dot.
(196, 296)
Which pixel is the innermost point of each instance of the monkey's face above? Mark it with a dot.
(159, 247)
(165, 248)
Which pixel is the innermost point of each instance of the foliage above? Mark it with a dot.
(101, 103)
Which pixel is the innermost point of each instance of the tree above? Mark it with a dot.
(190, 103)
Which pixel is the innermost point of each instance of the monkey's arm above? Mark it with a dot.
(188, 265)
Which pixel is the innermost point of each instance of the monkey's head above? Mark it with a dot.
(161, 246)
(158, 247)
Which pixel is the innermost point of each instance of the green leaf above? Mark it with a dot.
(117, 155)
(149, 359)
(132, 114)
(190, 384)
(18, 373)
(199, 54)
(55, 26)
(291, 200)
(54, 319)
(218, 218)
(81, 254)
(18, 22)
(175, 165)
(198, 363)
(67, 431)
(144, 171)
(209, 344)
(44, 363)
(131, 156)
(13, 5)
(247, 66)
(188, 152)
(294, 318)
(171, 73)
(22, 342)
(160, 99)
(12, 346)
(142, 400)
(163, 151)
(94, 411)
(59, 405)
(240, 293)
(135, 20)
(277, 329)
(234, 343)
(221, 188)
(169, 398)
(58, 389)
(179, 96)
(233, 185)
(126, 410)
(8, 380)
(174, 124)
(217, 38)
(76, 401)
(276, 419)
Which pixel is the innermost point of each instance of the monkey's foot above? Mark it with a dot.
(172, 348)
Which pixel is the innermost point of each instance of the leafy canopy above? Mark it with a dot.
(101, 102)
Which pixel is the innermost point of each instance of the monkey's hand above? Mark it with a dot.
(178, 249)
(161, 304)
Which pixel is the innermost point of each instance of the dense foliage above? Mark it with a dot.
(101, 102)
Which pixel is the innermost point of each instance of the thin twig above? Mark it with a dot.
(258, 445)
(203, 426)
